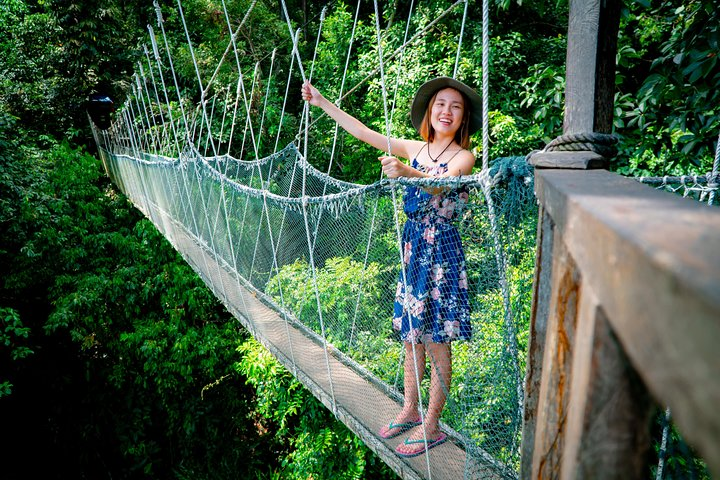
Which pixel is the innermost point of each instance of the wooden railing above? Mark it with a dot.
(626, 319)
(626, 307)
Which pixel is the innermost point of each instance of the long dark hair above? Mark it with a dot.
(462, 136)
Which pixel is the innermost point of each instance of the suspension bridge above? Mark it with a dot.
(309, 263)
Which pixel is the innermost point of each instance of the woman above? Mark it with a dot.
(431, 304)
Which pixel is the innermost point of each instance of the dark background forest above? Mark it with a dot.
(115, 360)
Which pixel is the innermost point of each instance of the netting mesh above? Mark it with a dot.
(336, 274)
(702, 188)
(311, 265)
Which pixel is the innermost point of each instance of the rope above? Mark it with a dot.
(398, 50)
(460, 37)
(662, 453)
(485, 84)
(282, 111)
(233, 39)
(310, 242)
(267, 96)
(295, 51)
(399, 78)
(337, 127)
(154, 129)
(161, 23)
(397, 226)
(601, 143)
(714, 180)
(224, 116)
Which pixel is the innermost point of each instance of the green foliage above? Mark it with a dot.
(316, 445)
(13, 335)
(338, 285)
(510, 135)
(543, 93)
(669, 87)
(679, 459)
(134, 335)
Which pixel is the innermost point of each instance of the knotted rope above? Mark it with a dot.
(601, 143)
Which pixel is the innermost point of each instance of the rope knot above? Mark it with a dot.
(713, 179)
(158, 12)
(601, 143)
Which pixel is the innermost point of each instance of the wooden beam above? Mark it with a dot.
(556, 366)
(608, 428)
(582, 51)
(538, 327)
(579, 160)
(653, 261)
(605, 66)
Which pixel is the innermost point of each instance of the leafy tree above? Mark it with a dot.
(316, 445)
(668, 87)
(116, 358)
(131, 372)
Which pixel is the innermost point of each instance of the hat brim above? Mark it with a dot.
(429, 88)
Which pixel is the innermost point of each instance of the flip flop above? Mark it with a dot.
(404, 427)
(430, 444)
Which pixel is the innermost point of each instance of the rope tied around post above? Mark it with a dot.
(601, 143)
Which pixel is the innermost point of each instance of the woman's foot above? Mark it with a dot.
(402, 423)
(416, 445)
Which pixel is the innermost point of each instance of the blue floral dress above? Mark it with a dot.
(431, 301)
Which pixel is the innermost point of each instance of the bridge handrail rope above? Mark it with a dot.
(396, 52)
(706, 186)
(398, 235)
(169, 169)
(714, 181)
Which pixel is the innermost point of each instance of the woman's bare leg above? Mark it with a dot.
(441, 367)
(414, 368)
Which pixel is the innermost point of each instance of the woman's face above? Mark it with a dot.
(447, 112)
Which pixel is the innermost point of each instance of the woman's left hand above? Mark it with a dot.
(393, 167)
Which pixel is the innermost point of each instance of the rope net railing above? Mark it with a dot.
(258, 241)
(703, 188)
(237, 176)
(239, 182)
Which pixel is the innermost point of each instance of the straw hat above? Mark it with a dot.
(428, 89)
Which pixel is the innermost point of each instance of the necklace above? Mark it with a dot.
(434, 160)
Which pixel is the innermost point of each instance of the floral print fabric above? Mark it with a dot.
(431, 300)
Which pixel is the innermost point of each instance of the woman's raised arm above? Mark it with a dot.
(399, 147)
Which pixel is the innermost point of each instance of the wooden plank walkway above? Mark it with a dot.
(363, 405)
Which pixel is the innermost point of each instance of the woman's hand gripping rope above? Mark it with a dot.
(392, 167)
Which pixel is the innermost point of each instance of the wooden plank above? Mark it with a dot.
(538, 327)
(609, 414)
(583, 160)
(653, 260)
(556, 369)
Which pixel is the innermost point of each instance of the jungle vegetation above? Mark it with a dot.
(115, 360)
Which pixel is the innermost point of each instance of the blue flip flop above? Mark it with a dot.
(430, 444)
(404, 427)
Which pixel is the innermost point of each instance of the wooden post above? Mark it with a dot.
(607, 431)
(553, 397)
(590, 74)
(589, 80)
